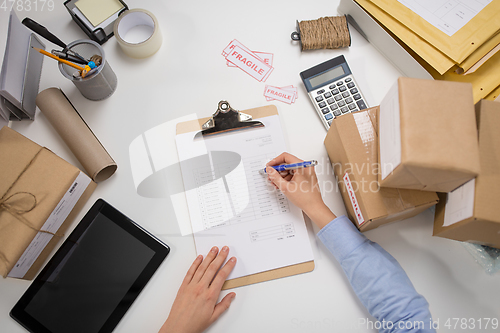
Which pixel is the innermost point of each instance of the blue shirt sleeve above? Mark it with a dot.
(377, 279)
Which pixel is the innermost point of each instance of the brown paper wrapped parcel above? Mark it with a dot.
(40, 194)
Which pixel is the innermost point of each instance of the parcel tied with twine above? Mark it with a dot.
(40, 194)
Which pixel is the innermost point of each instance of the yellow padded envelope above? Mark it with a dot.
(438, 60)
(484, 80)
(461, 44)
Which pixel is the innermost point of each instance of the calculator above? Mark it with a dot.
(333, 90)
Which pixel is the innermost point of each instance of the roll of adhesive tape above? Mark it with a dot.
(138, 33)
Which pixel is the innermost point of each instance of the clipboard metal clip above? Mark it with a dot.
(227, 119)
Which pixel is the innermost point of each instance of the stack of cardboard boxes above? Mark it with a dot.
(391, 160)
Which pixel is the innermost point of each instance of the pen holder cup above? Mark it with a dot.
(98, 85)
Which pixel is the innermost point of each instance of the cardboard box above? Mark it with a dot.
(352, 145)
(428, 135)
(471, 213)
(38, 191)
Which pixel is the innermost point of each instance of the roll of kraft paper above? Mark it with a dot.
(76, 133)
(138, 33)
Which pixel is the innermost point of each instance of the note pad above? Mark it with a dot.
(231, 203)
(96, 11)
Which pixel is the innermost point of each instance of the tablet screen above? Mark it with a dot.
(93, 278)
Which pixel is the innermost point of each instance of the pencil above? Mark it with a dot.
(48, 54)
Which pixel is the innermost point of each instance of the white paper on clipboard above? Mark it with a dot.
(231, 203)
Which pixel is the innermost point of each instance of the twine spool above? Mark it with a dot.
(330, 32)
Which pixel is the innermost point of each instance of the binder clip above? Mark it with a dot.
(227, 119)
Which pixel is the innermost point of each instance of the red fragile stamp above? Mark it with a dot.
(286, 95)
(240, 56)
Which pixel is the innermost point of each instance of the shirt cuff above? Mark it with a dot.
(341, 237)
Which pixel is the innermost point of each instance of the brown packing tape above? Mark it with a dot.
(76, 133)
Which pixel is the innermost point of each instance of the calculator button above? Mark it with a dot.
(330, 122)
(341, 103)
(332, 86)
(322, 105)
(335, 91)
(357, 96)
(348, 79)
(338, 98)
(329, 101)
(345, 94)
(350, 85)
(340, 83)
(319, 98)
(352, 106)
(348, 100)
(337, 113)
(327, 94)
(342, 88)
(321, 91)
(328, 116)
(344, 109)
(325, 110)
(333, 107)
(361, 104)
(354, 90)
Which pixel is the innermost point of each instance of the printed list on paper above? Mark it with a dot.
(449, 16)
(231, 203)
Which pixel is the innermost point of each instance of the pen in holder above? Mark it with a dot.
(99, 83)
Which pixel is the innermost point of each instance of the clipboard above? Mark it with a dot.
(255, 113)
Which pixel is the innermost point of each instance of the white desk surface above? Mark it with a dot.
(189, 75)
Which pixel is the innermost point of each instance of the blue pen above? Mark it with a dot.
(294, 166)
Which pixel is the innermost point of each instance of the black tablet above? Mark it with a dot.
(96, 275)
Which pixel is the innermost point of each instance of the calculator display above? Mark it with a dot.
(327, 76)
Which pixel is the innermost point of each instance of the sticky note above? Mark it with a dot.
(97, 11)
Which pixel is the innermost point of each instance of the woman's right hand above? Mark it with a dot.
(301, 188)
